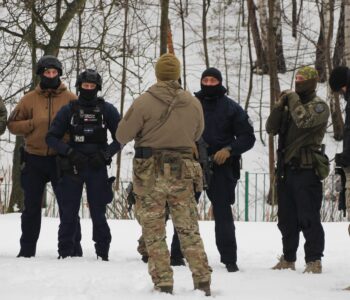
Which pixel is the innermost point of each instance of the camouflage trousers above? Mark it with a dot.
(151, 210)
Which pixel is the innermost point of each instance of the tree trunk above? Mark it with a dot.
(325, 39)
(16, 198)
(294, 18)
(164, 26)
(347, 32)
(182, 16)
(262, 9)
(281, 64)
(205, 8)
(260, 65)
(338, 55)
(123, 84)
(274, 86)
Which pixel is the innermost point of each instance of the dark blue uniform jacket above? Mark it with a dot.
(226, 124)
(60, 126)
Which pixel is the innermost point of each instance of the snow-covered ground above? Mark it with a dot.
(125, 275)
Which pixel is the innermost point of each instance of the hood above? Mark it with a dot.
(51, 92)
(166, 91)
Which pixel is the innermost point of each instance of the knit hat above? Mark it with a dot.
(338, 78)
(308, 72)
(213, 72)
(168, 67)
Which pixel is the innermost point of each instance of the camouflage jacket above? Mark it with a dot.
(3, 117)
(307, 122)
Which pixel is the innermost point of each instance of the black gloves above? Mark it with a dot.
(77, 159)
(100, 159)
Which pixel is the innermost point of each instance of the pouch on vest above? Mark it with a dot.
(192, 170)
(144, 175)
(321, 164)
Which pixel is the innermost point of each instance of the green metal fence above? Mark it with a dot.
(250, 201)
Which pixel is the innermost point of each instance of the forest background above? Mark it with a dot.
(257, 44)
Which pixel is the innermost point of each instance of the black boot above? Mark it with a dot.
(103, 257)
(177, 261)
(232, 267)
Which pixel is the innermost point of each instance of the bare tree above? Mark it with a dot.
(205, 9)
(260, 65)
(164, 26)
(274, 85)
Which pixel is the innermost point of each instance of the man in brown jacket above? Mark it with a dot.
(31, 118)
(165, 122)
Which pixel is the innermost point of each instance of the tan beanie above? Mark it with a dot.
(168, 67)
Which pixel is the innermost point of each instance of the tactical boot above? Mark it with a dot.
(283, 264)
(167, 289)
(232, 267)
(314, 267)
(103, 257)
(203, 286)
(175, 261)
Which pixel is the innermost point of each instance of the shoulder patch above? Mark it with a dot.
(319, 108)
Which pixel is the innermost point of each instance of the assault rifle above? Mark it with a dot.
(205, 161)
(282, 142)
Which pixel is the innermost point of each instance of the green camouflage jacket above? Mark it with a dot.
(307, 122)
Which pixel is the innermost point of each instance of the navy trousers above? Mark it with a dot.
(221, 193)
(99, 193)
(37, 172)
(299, 204)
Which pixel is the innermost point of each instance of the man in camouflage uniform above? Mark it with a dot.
(339, 81)
(299, 188)
(165, 122)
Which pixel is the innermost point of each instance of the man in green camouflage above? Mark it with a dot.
(165, 122)
(3, 116)
(300, 119)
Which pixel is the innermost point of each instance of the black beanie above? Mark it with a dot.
(212, 72)
(338, 78)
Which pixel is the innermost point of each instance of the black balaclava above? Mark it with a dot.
(216, 90)
(49, 83)
(305, 89)
(88, 95)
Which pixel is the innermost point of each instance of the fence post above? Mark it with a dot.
(246, 197)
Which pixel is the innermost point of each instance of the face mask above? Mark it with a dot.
(306, 87)
(87, 95)
(49, 83)
(211, 91)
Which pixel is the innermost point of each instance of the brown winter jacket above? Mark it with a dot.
(182, 127)
(33, 115)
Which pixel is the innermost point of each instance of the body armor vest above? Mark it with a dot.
(87, 125)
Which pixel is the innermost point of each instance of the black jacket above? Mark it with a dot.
(226, 124)
(61, 125)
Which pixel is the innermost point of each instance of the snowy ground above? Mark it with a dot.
(126, 277)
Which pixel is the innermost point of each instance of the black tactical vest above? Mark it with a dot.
(87, 125)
